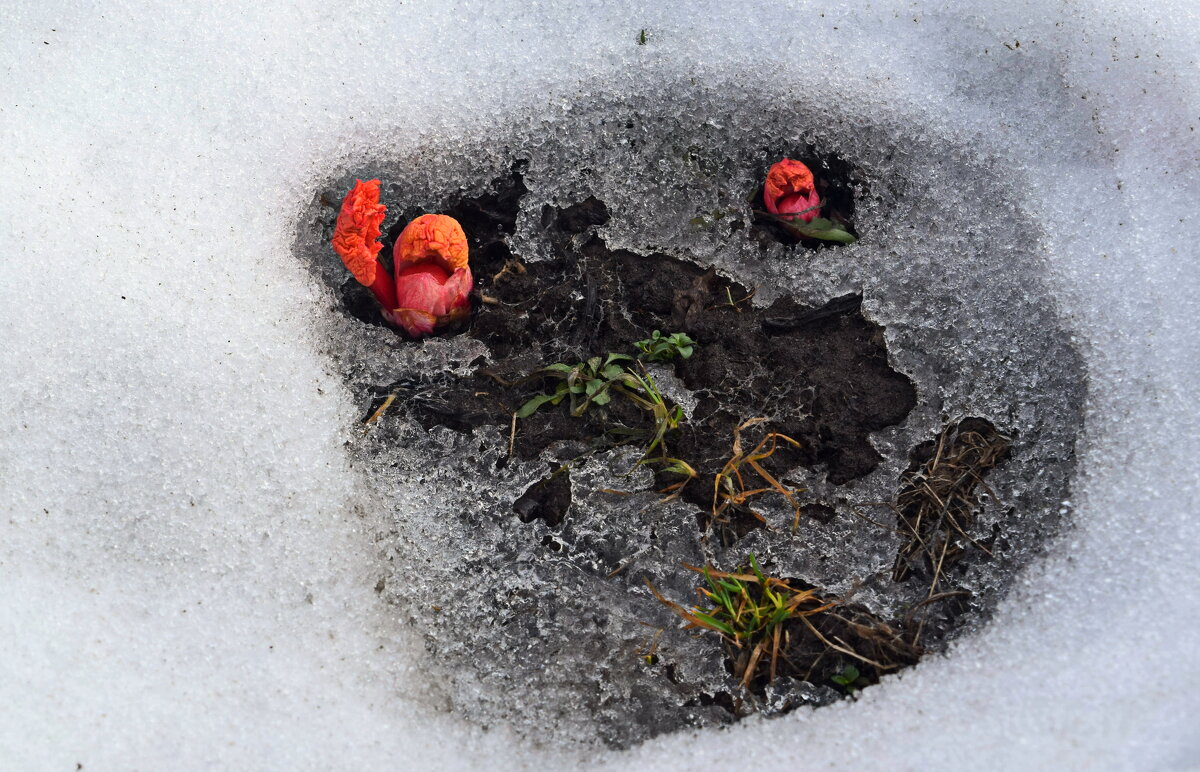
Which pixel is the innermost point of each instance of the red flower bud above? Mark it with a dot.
(356, 240)
(789, 192)
(433, 280)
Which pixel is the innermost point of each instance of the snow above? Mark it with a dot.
(188, 550)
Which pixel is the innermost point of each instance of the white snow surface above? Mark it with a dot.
(186, 556)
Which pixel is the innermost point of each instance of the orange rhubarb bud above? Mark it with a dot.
(433, 279)
(789, 192)
(356, 240)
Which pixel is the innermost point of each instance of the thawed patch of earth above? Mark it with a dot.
(523, 557)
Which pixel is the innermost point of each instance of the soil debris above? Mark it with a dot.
(548, 499)
(939, 495)
(936, 510)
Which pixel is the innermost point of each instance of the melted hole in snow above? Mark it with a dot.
(918, 395)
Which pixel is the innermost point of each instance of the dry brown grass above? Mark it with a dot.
(772, 627)
(937, 503)
(729, 485)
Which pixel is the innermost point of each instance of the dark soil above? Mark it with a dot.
(547, 500)
(819, 375)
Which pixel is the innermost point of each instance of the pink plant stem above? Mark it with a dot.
(384, 288)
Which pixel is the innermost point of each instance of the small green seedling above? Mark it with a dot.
(586, 384)
(664, 348)
(595, 381)
(666, 418)
(644, 392)
(820, 228)
(849, 679)
(748, 610)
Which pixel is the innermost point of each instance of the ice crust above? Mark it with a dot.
(190, 545)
